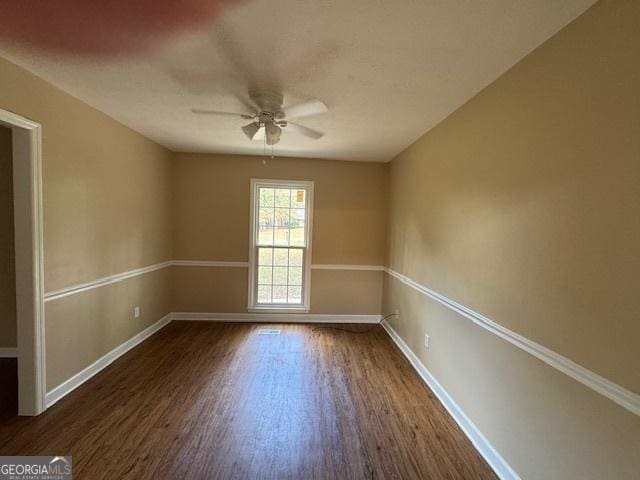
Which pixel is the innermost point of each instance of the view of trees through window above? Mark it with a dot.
(281, 245)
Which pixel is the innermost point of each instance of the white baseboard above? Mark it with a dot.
(480, 442)
(8, 352)
(79, 378)
(274, 317)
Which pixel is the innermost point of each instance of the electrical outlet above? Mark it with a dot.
(397, 312)
(427, 341)
(136, 312)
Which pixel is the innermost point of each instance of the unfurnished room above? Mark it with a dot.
(299, 239)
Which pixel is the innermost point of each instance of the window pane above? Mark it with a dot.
(297, 227)
(281, 256)
(264, 293)
(281, 236)
(295, 295)
(265, 256)
(295, 257)
(295, 276)
(282, 197)
(265, 228)
(297, 198)
(281, 218)
(267, 197)
(280, 294)
(264, 275)
(296, 236)
(279, 275)
(281, 223)
(297, 216)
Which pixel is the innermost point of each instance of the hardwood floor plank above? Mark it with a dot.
(217, 400)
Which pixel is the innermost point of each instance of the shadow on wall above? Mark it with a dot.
(8, 322)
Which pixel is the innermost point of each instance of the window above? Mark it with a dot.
(280, 256)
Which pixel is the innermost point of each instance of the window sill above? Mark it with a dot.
(278, 310)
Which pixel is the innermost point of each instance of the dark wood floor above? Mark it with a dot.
(218, 401)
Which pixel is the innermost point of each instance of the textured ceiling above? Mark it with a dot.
(388, 70)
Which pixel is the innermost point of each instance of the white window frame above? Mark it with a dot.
(253, 305)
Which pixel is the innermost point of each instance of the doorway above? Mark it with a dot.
(8, 318)
(25, 338)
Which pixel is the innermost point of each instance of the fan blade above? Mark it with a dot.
(248, 103)
(200, 111)
(305, 109)
(306, 131)
(251, 129)
(210, 83)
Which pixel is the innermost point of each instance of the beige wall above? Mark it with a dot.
(7, 258)
(524, 205)
(107, 197)
(211, 222)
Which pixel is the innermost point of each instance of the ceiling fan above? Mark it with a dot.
(269, 117)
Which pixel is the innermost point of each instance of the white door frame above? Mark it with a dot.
(27, 207)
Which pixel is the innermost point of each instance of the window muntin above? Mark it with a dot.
(279, 270)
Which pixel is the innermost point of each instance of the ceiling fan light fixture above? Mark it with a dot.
(269, 118)
(251, 129)
(273, 132)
